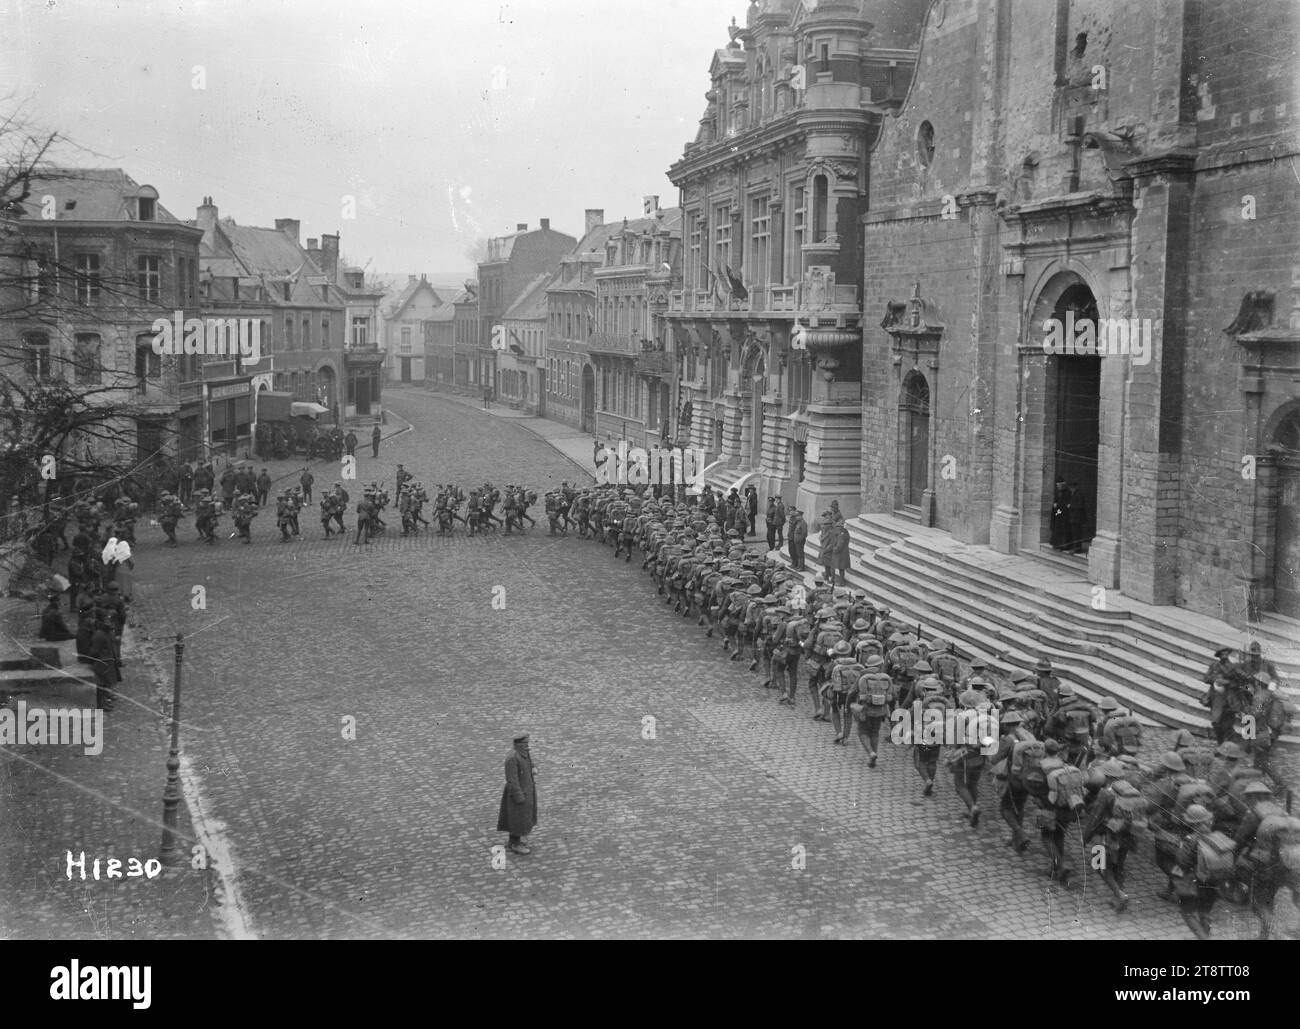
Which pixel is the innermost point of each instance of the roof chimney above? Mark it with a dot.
(546, 224)
(329, 255)
(312, 244)
(595, 219)
(207, 220)
(289, 226)
(521, 227)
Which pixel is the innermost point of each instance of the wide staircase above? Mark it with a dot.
(1013, 610)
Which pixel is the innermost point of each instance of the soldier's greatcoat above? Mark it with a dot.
(518, 812)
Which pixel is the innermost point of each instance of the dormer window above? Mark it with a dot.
(147, 208)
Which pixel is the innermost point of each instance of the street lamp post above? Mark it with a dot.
(169, 854)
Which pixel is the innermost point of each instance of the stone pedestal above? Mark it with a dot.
(1103, 560)
(835, 431)
(1004, 529)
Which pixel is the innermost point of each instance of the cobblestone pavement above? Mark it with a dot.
(55, 799)
(697, 832)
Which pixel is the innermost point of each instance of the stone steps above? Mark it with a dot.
(1150, 664)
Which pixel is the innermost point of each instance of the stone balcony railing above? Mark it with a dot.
(770, 299)
(622, 344)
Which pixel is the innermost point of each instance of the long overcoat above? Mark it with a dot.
(836, 544)
(518, 812)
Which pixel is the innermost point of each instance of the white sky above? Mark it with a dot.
(392, 102)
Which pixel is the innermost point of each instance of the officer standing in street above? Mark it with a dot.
(374, 440)
(518, 814)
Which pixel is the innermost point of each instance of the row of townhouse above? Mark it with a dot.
(109, 262)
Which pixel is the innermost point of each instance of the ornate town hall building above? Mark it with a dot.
(1131, 165)
(767, 326)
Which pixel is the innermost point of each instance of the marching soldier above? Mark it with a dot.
(870, 701)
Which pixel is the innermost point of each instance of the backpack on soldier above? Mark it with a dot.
(1067, 783)
(1215, 860)
(1125, 733)
(946, 667)
(1129, 812)
(846, 675)
(1027, 767)
(873, 693)
(866, 647)
(1198, 760)
(1078, 724)
(1198, 791)
(1279, 716)
(904, 658)
(1277, 840)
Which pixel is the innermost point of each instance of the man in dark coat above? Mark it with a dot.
(797, 538)
(53, 627)
(518, 812)
(350, 442)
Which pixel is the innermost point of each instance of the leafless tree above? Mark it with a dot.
(56, 400)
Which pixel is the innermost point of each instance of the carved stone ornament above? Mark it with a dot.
(913, 324)
(819, 287)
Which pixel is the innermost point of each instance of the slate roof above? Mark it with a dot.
(531, 304)
(99, 194)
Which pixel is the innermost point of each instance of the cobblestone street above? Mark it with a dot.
(694, 833)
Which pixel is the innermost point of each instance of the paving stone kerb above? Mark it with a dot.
(689, 834)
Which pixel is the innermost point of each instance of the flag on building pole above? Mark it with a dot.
(651, 206)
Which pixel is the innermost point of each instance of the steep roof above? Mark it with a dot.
(531, 304)
(444, 312)
(97, 195)
(406, 294)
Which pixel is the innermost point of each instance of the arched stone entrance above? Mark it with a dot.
(914, 440)
(1285, 451)
(1074, 391)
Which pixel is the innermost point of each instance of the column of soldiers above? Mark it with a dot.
(1072, 771)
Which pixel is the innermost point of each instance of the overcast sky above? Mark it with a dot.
(445, 121)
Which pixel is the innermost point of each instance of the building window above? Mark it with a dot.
(306, 334)
(820, 203)
(36, 350)
(148, 208)
(406, 339)
(288, 332)
(925, 143)
(324, 332)
(721, 238)
(652, 405)
(760, 240)
(44, 278)
(148, 365)
(87, 278)
(405, 346)
(85, 358)
(695, 269)
(148, 277)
